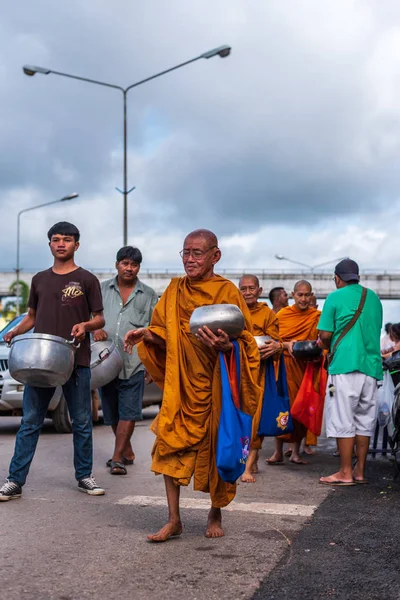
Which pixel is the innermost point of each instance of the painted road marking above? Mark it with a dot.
(267, 508)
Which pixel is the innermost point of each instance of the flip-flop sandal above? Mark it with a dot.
(361, 481)
(274, 463)
(337, 483)
(117, 468)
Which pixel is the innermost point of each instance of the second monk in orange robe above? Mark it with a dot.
(265, 322)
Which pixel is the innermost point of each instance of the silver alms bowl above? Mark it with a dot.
(227, 317)
(261, 339)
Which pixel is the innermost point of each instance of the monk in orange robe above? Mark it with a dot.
(265, 322)
(296, 323)
(187, 368)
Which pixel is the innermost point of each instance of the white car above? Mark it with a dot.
(11, 391)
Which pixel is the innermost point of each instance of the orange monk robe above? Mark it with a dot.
(188, 371)
(265, 322)
(299, 325)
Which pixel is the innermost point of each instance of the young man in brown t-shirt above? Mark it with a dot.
(66, 301)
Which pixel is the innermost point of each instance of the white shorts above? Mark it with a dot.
(350, 405)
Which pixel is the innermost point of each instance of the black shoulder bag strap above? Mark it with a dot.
(349, 325)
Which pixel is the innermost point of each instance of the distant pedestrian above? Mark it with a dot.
(278, 298)
(350, 327)
(65, 301)
(386, 340)
(127, 303)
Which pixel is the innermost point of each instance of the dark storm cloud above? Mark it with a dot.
(291, 129)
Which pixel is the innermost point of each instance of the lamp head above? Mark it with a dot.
(32, 70)
(279, 257)
(221, 51)
(69, 197)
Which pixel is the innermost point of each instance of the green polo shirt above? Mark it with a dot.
(135, 313)
(359, 350)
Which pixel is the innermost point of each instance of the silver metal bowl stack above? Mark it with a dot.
(106, 363)
(41, 360)
(227, 317)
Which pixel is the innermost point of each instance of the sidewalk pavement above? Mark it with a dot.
(349, 549)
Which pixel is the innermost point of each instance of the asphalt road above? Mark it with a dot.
(57, 543)
(349, 549)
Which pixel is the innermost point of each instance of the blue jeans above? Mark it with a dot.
(35, 404)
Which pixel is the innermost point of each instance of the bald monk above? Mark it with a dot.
(264, 322)
(187, 368)
(296, 323)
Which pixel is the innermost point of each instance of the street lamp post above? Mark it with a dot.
(24, 210)
(222, 51)
(312, 268)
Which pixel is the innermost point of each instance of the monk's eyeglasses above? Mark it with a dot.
(195, 253)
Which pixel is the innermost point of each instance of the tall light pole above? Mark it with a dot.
(30, 70)
(312, 268)
(24, 210)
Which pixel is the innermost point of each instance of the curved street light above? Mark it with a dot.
(31, 70)
(24, 210)
(312, 268)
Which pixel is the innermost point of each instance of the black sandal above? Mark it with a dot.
(117, 468)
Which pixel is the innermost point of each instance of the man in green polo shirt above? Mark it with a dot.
(356, 367)
(128, 304)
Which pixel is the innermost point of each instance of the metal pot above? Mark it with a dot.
(106, 363)
(261, 339)
(41, 360)
(307, 350)
(227, 317)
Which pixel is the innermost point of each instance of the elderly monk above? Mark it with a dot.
(265, 322)
(187, 368)
(296, 323)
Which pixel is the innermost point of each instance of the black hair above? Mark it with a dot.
(395, 331)
(130, 253)
(64, 228)
(387, 327)
(274, 293)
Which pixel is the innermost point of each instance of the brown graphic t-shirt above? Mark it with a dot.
(62, 301)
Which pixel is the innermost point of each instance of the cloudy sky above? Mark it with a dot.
(290, 145)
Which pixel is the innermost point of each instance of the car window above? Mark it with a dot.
(10, 326)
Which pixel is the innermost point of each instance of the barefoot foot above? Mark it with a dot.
(248, 477)
(276, 458)
(168, 531)
(297, 460)
(214, 529)
(309, 450)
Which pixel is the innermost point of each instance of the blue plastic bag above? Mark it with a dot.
(275, 415)
(234, 431)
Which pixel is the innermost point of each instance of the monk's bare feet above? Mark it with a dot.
(214, 529)
(297, 460)
(309, 450)
(247, 477)
(169, 530)
(254, 468)
(275, 459)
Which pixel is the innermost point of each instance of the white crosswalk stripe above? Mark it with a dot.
(268, 508)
